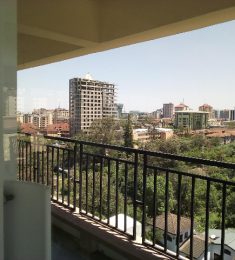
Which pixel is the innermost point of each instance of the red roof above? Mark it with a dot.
(181, 105)
(206, 105)
(28, 128)
(61, 127)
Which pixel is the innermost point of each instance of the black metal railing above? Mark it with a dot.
(135, 191)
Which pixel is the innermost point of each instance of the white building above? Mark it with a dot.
(214, 245)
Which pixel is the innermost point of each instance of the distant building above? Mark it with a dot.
(27, 118)
(144, 135)
(225, 114)
(61, 129)
(20, 117)
(216, 113)
(191, 120)
(60, 115)
(232, 115)
(185, 225)
(129, 224)
(119, 108)
(168, 110)
(157, 114)
(207, 108)
(141, 135)
(181, 107)
(89, 100)
(214, 245)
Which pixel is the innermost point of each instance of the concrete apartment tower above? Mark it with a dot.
(89, 100)
(168, 110)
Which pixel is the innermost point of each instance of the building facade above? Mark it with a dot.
(89, 100)
(207, 108)
(191, 120)
(168, 110)
(181, 107)
(60, 115)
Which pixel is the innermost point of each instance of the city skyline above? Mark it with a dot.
(195, 67)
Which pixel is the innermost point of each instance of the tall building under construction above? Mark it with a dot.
(89, 100)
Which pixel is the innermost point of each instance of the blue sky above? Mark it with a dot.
(197, 67)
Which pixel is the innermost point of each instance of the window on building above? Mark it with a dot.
(181, 238)
(227, 252)
(186, 235)
(169, 238)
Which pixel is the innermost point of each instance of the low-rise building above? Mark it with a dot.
(185, 224)
(214, 245)
(61, 129)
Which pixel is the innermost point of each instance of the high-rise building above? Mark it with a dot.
(207, 108)
(89, 100)
(168, 110)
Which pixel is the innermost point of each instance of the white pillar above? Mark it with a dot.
(8, 60)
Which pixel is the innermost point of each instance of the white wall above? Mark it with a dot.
(8, 60)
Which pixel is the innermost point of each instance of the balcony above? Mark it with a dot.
(162, 202)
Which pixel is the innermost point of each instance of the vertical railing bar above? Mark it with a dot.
(43, 170)
(68, 201)
(74, 176)
(19, 166)
(192, 216)
(223, 221)
(23, 177)
(47, 148)
(62, 175)
(154, 204)
(144, 197)
(166, 210)
(93, 187)
(52, 173)
(38, 163)
(38, 167)
(125, 197)
(178, 214)
(135, 194)
(34, 163)
(207, 219)
(58, 173)
(87, 180)
(101, 186)
(108, 193)
(19, 160)
(116, 195)
(26, 162)
(80, 176)
(30, 161)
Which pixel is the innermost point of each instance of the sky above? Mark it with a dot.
(196, 67)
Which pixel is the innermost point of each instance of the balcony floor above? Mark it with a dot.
(64, 246)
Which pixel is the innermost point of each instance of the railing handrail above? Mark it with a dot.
(188, 159)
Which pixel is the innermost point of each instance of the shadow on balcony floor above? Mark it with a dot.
(64, 247)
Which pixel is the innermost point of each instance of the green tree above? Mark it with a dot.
(128, 133)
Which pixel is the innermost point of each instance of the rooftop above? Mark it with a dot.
(185, 223)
